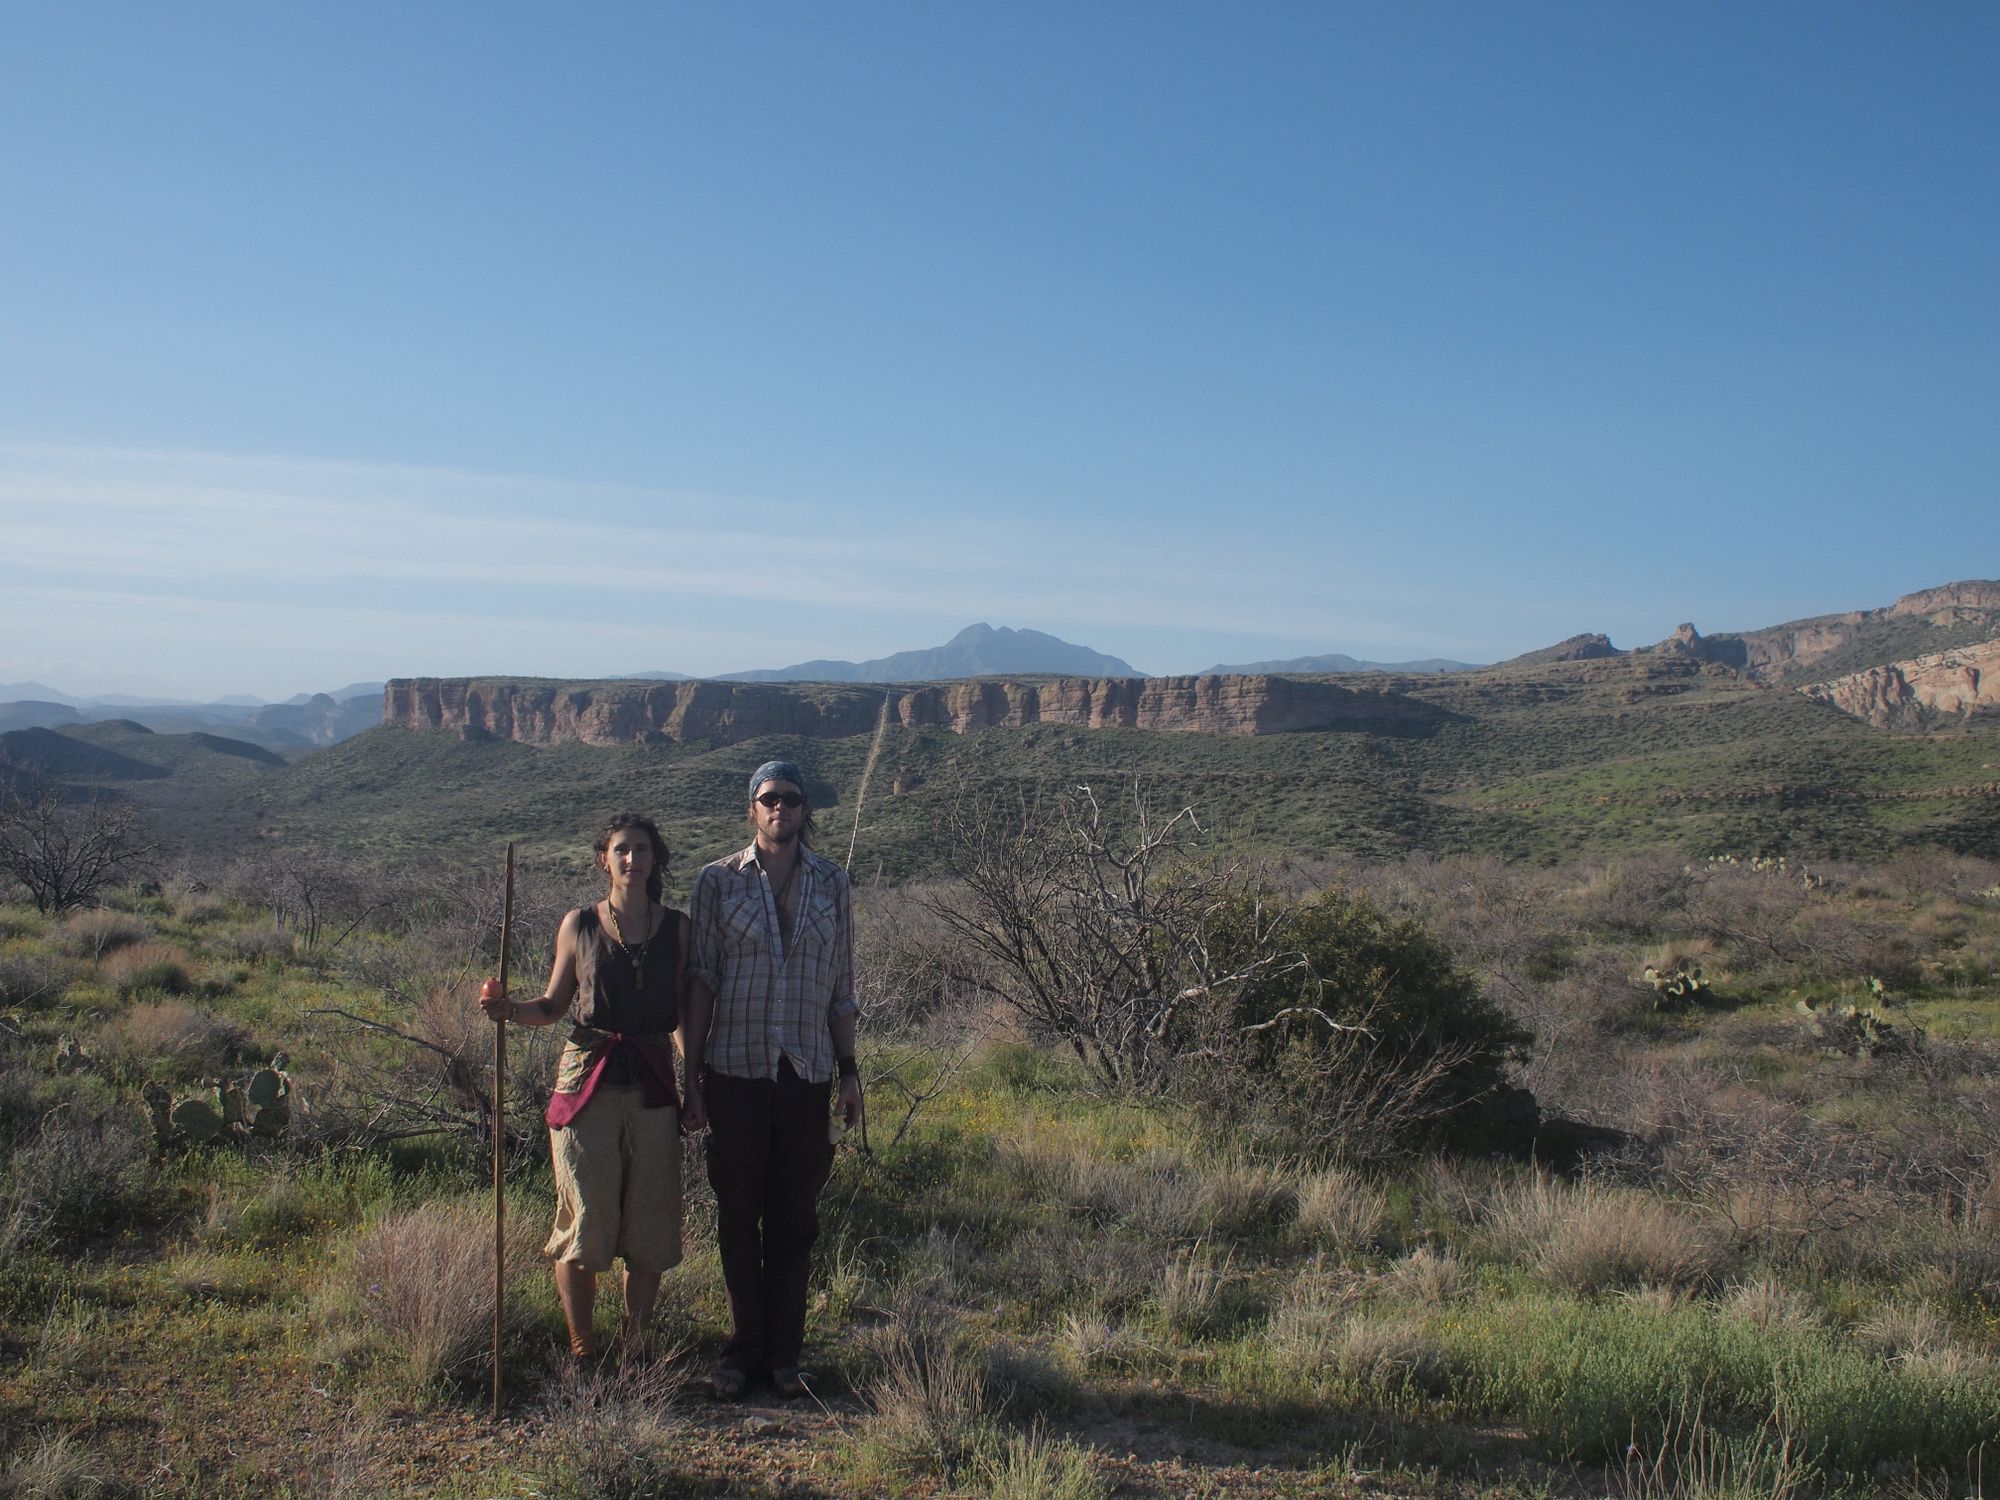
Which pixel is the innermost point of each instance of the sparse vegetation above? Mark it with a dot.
(1732, 1259)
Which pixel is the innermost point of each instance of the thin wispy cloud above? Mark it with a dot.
(249, 559)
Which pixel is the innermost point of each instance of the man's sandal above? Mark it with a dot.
(791, 1382)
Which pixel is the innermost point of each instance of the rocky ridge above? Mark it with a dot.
(1920, 693)
(541, 712)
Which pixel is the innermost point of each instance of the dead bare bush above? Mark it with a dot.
(65, 852)
(1100, 933)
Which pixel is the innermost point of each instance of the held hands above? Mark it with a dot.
(493, 1000)
(694, 1111)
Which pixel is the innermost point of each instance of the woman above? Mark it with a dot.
(614, 1120)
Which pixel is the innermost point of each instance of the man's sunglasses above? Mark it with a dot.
(780, 799)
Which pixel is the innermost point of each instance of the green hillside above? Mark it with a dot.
(1538, 763)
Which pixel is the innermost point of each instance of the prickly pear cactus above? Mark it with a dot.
(159, 1109)
(257, 1104)
(265, 1087)
(197, 1119)
(1675, 981)
(1853, 1031)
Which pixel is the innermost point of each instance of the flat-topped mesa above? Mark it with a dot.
(546, 712)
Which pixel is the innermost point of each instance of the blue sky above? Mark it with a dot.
(356, 341)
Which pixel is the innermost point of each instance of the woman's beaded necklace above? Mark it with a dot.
(638, 959)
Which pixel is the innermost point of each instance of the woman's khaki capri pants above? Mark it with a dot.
(618, 1184)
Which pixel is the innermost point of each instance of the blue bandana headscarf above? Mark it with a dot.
(776, 770)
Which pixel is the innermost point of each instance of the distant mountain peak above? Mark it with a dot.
(979, 650)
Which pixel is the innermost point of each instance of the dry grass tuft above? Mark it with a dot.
(1189, 1301)
(1596, 1236)
(1090, 1342)
(147, 967)
(416, 1287)
(96, 934)
(928, 1401)
(1320, 1331)
(53, 1466)
(622, 1430)
(1341, 1211)
(1902, 1331)
(171, 1038)
(1427, 1276)
(258, 942)
(1239, 1198)
(1769, 1304)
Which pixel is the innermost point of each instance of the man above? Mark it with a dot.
(769, 1026)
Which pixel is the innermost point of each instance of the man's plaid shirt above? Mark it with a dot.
(773, 1000)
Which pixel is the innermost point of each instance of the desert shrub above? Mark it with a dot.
(1592, 1236)
(94, 934)
(34, 976)
(1636, 897)
(146, 968)
(415, 1287)
(83, 1168)
(191, 899)
(901, 977)
(1374, 1042)
(170, 1040)
(18, 920)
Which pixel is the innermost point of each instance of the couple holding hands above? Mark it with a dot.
(757, 983)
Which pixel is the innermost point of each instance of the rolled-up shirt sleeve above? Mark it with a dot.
(705, 917)
(843, 1002)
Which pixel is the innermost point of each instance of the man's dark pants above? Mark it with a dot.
(768, 1158)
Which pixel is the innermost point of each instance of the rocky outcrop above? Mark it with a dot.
(1589, 647)
(1922, 693)
(540, 712)
(1788, 652)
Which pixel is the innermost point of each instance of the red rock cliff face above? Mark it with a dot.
(605, 713)
(1924, 691)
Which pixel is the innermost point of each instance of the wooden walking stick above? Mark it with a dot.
(500, 1133)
